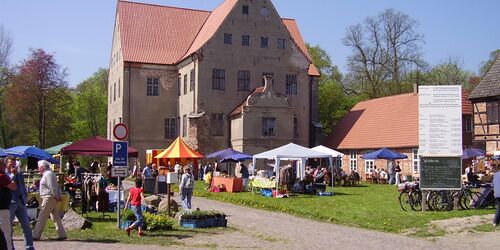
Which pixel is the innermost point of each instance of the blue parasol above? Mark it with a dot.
(31, 151)
(236, 157)
(472, 152)
(384, 153)
(2, 153)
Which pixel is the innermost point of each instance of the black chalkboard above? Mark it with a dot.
(440, 173)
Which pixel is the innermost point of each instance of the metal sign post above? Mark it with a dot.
(119, 169)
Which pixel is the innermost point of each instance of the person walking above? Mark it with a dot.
(18, 202)
(50, 194)
(244, 175)
(496, 188)
(186, 186)
(391, 169)
(135, 198)
(6, 187)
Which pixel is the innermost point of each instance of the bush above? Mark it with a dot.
(127, 214)
(155, 222)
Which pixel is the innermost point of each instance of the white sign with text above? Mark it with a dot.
(440, 120)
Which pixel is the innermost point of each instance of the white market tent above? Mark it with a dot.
(327, 150)
(291, 151)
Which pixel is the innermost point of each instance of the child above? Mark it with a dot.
(135, 198)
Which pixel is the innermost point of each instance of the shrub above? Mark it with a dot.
(128, 214)
(155, 222)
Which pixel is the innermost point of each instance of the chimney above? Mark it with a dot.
(268, 83)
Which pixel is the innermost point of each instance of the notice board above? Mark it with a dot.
(440, 173)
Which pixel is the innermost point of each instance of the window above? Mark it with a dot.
(118, 88)
(268, 126)
(416, 160)
(264, 42)
(184, 125)
(245, 40)
(185, 84)
(337, 162)
(191, 80)
(217, 128)
(369, 164)
(468, 123)
(264, 11)
(114, 91)
(291, 84)
(110, 94)
(228, 38)
(281, 43)
(152, 87)
(353, 161)
(170, 128)
(179, 86)
(218, 79)
(243, 80)
(271, 74)
(245, 9)
(492, 112)
(295, 126)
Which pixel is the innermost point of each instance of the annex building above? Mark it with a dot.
(199, 75)
(390, 122)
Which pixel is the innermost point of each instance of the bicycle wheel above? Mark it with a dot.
(465, 200)
(404, 201)
(476, 200)
(416, 200)
(443, 201)
(430, 200)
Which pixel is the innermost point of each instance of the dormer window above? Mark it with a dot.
(244, 10)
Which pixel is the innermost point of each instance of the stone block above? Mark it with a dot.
(73, 221)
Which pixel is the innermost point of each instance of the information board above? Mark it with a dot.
(440, 173)
(440, 120)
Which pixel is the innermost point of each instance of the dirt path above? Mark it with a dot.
(257, 229)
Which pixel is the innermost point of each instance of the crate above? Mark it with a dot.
(221, 222)
(192, 223)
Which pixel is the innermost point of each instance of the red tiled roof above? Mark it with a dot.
(239, 109)
(166, 35)
(211, 26)
(390, 121)
(157, 34)
(313, 71)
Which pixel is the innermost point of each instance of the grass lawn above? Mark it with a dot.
(369, 206)
(105, 231)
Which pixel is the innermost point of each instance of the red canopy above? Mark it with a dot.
(94, 146)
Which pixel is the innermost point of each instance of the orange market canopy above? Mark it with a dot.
(179, 149)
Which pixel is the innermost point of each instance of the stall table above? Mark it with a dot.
(231, 184)
(259, 183)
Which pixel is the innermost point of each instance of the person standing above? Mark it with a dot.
(135, 198)
(244, 175)
(397, 169)
(186, 186)
(496, 188)
(391, 169)
(50, 194)
(177, 170)
(18, 202)
(6, 187)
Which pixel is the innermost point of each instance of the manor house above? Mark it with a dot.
(200, 75)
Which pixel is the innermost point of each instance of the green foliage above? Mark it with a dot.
(157, 222)
(90, 106)
(200, 214)
(127, 214)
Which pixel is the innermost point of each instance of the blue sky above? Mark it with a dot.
(79, 33)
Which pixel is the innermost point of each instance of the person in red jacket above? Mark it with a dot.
(135, 197)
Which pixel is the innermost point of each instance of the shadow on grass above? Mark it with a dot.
(107, 241)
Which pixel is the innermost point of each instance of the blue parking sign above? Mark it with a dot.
(120, 154)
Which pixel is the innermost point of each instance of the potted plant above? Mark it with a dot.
(220, 219)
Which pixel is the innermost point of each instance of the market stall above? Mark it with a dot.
(291, 151)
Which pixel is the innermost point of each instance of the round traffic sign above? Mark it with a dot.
(120, 131)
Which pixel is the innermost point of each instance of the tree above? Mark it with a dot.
(485, 66)
(384, 49)
(90, 106)
(333, 102)
(38, 101)
(5, 50)
(448, 72)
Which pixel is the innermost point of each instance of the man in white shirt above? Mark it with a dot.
(50, 194)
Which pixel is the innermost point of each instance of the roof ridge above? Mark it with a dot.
(389, 96)
(164, 6)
